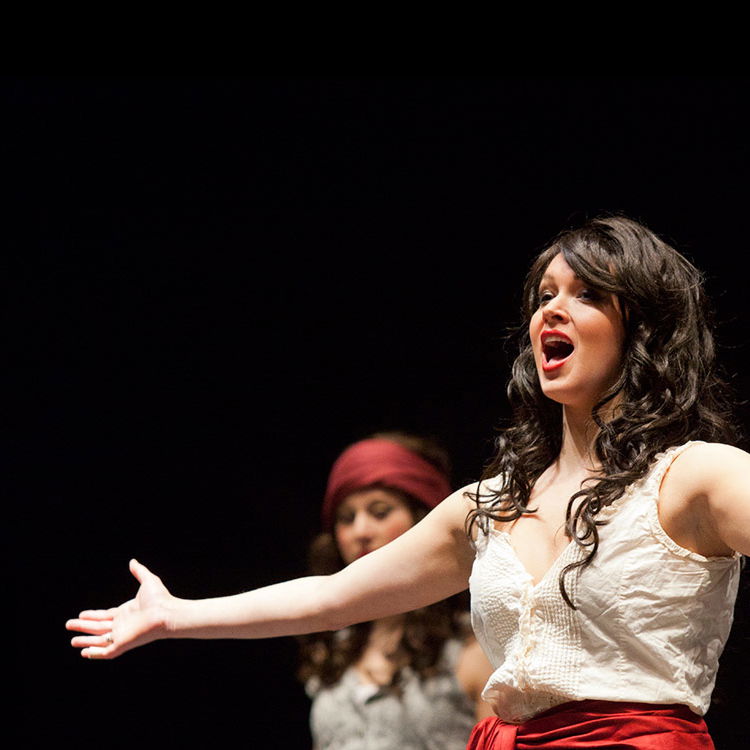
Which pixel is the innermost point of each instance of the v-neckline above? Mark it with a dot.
(555, 563)
(673, 451)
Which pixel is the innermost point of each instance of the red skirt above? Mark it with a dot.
(598, 724)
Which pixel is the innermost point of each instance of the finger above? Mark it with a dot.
(94, 627)
(96, 652)
(86, 641)
(143, 574)
(138, 570)
(97, 614)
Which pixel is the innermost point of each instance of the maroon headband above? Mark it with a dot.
(381, 461)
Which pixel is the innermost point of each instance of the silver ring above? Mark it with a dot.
(108, 637)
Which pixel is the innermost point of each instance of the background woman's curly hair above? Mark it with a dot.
(670, 390)
(326, 656)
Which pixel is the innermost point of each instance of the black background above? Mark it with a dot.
(216, 283)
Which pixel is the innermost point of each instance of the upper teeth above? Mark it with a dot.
(555, 338)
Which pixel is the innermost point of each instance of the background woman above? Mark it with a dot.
(604, 557)
(411, 680)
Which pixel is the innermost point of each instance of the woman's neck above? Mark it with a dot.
(382, 655)
(577, 455)
(579, 433)
(388, 625)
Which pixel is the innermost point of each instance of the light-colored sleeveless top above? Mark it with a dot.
(652, 618)
(430, 714)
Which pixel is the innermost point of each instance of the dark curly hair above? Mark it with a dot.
(669, 388)
(326, 656)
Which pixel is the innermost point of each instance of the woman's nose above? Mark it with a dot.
(362, 526)
(555, 311)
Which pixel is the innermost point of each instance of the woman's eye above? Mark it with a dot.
(381, 511)
(590, 295)
(344, 520)
(545, 297)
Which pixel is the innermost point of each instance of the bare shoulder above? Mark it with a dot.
(462, 500)
(705, 467)
(443, 529)
(704, 501)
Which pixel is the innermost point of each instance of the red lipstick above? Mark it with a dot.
(556, 349)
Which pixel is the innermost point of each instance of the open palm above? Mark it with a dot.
(112, 632)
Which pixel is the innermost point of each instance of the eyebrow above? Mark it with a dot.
(548, 276)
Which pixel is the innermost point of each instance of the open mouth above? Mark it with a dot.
(556, 349)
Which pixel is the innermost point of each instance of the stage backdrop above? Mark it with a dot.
(218, 283)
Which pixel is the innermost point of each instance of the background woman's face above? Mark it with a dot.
(368, 519)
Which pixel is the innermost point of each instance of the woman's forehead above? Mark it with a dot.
(558, 267)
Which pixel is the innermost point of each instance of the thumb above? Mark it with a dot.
(138, 570)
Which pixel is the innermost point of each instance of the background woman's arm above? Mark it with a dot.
(472, 672)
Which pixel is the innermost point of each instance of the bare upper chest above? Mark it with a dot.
(539, 538)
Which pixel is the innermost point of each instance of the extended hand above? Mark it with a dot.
(111, 632)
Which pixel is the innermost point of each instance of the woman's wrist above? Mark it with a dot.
(194, 618)
(172, 618)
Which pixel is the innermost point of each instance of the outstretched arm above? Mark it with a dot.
(429, 562)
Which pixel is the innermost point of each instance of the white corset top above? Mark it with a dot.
(651, 621)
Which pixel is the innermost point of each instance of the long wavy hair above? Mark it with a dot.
(324, 657)
(669, 389)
